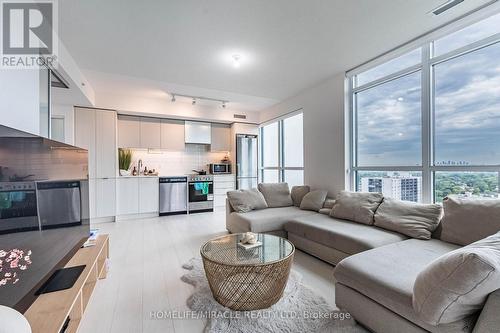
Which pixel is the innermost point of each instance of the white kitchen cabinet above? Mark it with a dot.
(105, 197)
(221, 137)
(172, 135)
(222, 185)
(85, 135)
(129, 132)
(197, 132)
(106, 153)
(127, 189)
(149, 189)
(150, 133)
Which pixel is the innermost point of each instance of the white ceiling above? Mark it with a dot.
(285, 45)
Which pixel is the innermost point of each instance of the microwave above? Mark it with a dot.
(216, 168)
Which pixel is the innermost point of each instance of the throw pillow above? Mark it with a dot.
(313, 200)
(457, 284)
(468, 220)
(356, 206)
(244, 201)
(408, 218)
(276, 194)
(298, 193)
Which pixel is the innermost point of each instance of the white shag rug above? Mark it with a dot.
(299, 310)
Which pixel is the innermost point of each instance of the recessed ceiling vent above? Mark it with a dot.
(446, 6)
(239, 116)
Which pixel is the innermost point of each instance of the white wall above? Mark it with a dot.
(19, 99)
(324, 153)
(66, 111)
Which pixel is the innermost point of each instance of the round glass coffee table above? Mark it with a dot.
(247, 279)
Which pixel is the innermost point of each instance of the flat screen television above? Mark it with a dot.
(44, 212)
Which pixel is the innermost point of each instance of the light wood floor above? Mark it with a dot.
(145, 270)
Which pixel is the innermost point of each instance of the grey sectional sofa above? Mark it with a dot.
(376, 269)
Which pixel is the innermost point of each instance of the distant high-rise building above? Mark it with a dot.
(408, 188)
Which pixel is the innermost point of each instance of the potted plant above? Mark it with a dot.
(124, 161)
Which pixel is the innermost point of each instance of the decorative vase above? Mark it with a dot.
(124, 172)
(13, 321)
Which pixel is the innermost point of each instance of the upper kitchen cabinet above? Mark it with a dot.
(198, 132)
(172, 134)
(95, 130)
(221, 137)
(129, 132)
(150, 133)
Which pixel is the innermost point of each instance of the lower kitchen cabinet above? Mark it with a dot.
(102, 194)
(137, 195)
(105, 197)
(222, 185)
(149, 195)
(127, 195)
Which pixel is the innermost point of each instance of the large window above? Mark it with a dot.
(282, 151)
(426, 124)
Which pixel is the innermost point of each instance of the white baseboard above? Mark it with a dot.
(136, 216)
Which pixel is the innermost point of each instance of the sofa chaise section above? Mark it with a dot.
(380, 281)
(332, 239)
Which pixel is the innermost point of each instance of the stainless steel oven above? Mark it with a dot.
(201, 193)
(18, 207)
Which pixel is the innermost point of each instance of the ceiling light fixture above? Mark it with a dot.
(236, 60)
(194, 99)
(446, 6)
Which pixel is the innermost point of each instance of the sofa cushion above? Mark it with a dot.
(346, 236)
(408, 218)
(387, 274)
(246, 200)
(297, 193)
(265, 220)
(456, 285)
(313, 200)
(325, 211)
(329, 202)
(468, 220)
(356, 206)
(276, 194)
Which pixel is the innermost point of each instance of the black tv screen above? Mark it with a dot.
(44, 213)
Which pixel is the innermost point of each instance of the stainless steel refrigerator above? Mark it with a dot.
(246, 161)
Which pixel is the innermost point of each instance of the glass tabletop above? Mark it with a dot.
(226, 250)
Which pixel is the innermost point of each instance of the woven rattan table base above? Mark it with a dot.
(248, 287)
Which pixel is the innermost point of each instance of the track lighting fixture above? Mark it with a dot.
(194, 99)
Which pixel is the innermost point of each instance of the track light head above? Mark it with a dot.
(173, 98)
(194, 101)
(223, 104)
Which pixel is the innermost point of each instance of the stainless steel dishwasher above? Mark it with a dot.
(173, 195)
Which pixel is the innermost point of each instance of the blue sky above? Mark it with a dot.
(467, 108)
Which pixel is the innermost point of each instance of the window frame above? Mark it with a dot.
(281, 168)
(426, 67)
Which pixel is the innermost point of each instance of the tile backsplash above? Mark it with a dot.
(173, 163)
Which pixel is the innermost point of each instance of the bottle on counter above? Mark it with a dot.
(134, 172)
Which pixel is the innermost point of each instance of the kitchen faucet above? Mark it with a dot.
(139, 166)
